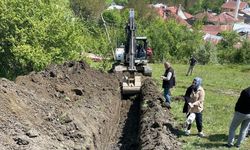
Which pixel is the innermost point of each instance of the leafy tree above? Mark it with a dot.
(226, 46)
(172, 40)
(35, 33)
(242, 55)
(121, 2)
(88, 9)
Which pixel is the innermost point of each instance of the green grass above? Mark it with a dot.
(222, 85)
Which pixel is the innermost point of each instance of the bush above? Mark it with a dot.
(36, 33)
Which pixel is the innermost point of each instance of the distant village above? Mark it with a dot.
(234, 16)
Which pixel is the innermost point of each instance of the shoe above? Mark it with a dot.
(187, 132)
(201, 134)
(238, 146)
(228, 145)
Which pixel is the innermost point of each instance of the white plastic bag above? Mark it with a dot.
(190, 118)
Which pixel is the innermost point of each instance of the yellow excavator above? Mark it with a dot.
(132, 58)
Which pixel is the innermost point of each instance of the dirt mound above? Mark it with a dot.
(69, 106)
(156, 124)
(64, 107)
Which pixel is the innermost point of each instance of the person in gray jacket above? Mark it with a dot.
(241, 117)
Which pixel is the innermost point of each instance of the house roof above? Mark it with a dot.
(114, 6)
(215, 29)
(212, 38)
(174, 10)
(223, 18)
(179, 20)
(204, 14)
(246, 11)
(159, 5)
(241, 27)
(232, 5)
(160, 11)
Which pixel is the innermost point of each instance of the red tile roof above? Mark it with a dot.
(174, 10)
(160, 11)
(232, 5)
(215, 29)
(223, 18)
(204, 14)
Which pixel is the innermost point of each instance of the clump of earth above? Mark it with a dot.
(72, 106)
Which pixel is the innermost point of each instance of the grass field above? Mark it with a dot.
(222, 85)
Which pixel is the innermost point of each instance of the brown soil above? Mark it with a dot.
(72, 106)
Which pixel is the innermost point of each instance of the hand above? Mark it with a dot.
(163, 77)
(191, 105)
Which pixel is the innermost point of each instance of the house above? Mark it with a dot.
(215, 39)
(242, 28)
(160, 9)
(246, 15)
(114, 6)
(180, 16)
(223, 18)
(159, 5)
(216, 29)
(178, 11)
(205, 15)
(231, 6)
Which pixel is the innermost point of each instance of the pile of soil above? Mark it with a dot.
(156, 123)
(72, 106)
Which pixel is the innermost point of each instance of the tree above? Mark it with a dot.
(37, 33)
(226, 46)
(88, 9)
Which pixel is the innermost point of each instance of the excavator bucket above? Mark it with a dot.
(131, 85)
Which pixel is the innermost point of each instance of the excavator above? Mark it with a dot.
(132, 58)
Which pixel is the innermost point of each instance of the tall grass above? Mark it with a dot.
(222, 85)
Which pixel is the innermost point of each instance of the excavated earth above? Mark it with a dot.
(74, 107)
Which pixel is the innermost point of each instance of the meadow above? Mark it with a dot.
(222, 84)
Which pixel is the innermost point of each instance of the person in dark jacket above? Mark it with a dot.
(241, 117)
(168, 81)
(192, 62)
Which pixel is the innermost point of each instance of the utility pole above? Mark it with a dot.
(237, 9)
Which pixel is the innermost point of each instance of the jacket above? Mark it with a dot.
(168, 83)
(197, 99)
(243, 103)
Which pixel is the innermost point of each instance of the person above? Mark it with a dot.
(241, 117)
(140, 51)
(193, 107)
(192, 62)
(168, 81)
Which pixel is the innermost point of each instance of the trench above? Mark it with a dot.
(127, 135)
(144, 122)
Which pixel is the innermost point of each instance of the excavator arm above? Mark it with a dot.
(132, 66)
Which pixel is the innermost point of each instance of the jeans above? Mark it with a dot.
(190, 70)
(238, 119)
(167, 95)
